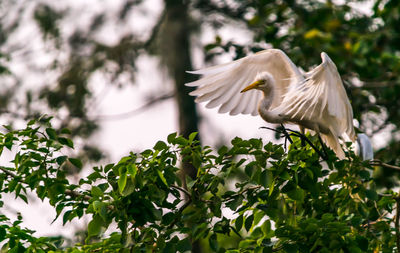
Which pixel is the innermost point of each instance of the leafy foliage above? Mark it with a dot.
(249, 197)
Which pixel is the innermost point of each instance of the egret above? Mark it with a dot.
(269, 84)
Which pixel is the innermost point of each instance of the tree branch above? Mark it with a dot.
(147, 105)
(8, 172)
(77, 194)
(377, 162)
(182, 190)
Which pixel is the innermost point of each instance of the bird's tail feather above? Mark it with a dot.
(333, 142)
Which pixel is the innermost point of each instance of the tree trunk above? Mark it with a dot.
(174, 45)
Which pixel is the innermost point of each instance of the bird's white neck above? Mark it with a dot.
(264, 105)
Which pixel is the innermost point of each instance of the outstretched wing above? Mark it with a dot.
(221, 85)
(321, 98)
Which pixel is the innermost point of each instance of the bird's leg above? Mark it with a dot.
(304, 138)
(325, 156)
(287, 135)
(284, 132)
(302, 131)
(323, 146)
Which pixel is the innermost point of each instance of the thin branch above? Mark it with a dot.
(377, 162)
(147, 105)
(377, 220)
(182, 190)
(178, 215)
(77, 194)
(8, 172)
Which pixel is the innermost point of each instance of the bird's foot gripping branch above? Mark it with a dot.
(248, 196)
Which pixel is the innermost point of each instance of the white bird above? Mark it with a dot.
(280, 93)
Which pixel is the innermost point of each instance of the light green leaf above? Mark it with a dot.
(132, 170)
(94, 227)
(96, 191)
(161, 176)
(122, 179)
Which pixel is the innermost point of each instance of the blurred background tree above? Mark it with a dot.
(50, 58)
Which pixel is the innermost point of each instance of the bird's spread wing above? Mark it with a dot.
(321, 97)
(221, 84)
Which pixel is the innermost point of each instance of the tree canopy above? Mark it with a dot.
(248, 197)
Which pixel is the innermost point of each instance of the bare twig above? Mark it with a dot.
(147, 105)
(377, 162)
(377, 220)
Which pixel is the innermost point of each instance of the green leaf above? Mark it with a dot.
(51, 133)
(161, 176)
(181, 141)
(66, 141)
(132, 170)
(68, 215)
(129, 188)
(61, 159)
(76, 162)
(171, 138)
(94, 226)
(290, 248)
(362, 243)
(239, 222)
(266, 229)
(213, 242)
(249, 222)
(371, 194)
(65, 131)
(235, 202)
(3, 233)
(297, 194)
(30, 123)
(266, 178)
(96, 191)
(192, 136)
(101, 209)
(122, 179)
(160, 145)
(184, 245)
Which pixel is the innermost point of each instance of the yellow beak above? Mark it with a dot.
(252, 86)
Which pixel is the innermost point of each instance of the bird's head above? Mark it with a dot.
(263, 81)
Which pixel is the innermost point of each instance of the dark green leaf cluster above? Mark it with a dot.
(249, 197)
